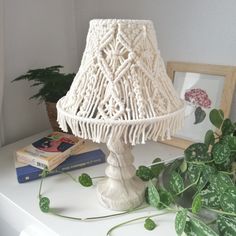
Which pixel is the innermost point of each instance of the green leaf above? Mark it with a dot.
(85, 180)
(201, 183)
(225, 139)
(194, 172)
(220, 153)
(44, 203)
(207, 173)
(226, 165)
(54, 84)
(198, 228)
(173, 166)
(220, 182)
(45, 172)
(187, 229)
(226, 226)
(180, 221)
(184, 166)
(228, 200)
(149, 224)
(196, 152)
(146, 196)
(199, 115)
(216, 117)
(224, 181)
(153, 195)
(234, 168)
(210, 198)
(165, 198)
(157, 169)
(231, 142)
(227, 127)
(169, 168)
(144, 173)
(197, 204)
(176, 183)
(209, 138)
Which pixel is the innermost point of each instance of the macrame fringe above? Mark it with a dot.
(133, 133)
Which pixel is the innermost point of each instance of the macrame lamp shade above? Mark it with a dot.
(121, 95)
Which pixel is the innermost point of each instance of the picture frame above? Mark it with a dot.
(217, 82)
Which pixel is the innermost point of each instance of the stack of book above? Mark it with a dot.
(57, 152)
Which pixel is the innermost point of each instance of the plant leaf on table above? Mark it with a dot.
(149, 224)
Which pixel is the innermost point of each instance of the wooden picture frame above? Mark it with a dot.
(204, 74)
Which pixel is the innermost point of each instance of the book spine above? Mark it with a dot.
(37, 174)
(82, 165)
(27, 159)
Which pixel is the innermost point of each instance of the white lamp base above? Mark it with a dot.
(122, 189)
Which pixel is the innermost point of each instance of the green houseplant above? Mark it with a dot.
(199, 187)
(53, 85)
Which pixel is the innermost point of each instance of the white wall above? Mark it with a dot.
(37, 34)
(1, 70)
(202, 31)
(48, 32)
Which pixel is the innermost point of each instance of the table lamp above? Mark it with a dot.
(121, 96)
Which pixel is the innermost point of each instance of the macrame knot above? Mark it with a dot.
(132, 55)
(121, 86)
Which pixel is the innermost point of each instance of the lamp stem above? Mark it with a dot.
(122, 189)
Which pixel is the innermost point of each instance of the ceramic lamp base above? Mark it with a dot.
(121, 190)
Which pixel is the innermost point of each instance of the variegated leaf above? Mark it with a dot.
(196, 152)
(220, 153)
(228, 200)
(153, 195)
(194, 172)
(226, 226)
(197, 203)
(210, 198)
(221, 182)
(180, 221)
(198, 228)
(176, 183)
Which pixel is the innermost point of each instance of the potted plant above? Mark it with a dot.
(53, 85)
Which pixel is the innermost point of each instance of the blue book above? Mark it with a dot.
(26, 173)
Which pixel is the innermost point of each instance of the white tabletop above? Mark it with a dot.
(19, 202)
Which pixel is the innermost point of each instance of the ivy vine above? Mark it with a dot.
(204, 177)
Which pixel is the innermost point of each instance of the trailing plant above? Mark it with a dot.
(204, 178)
(53, 83)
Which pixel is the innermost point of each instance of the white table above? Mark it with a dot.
(20, 214)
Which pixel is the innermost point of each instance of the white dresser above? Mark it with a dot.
(20, 214)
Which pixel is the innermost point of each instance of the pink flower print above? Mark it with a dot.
(198, 97)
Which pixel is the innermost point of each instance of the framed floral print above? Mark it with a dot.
(202, 87)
